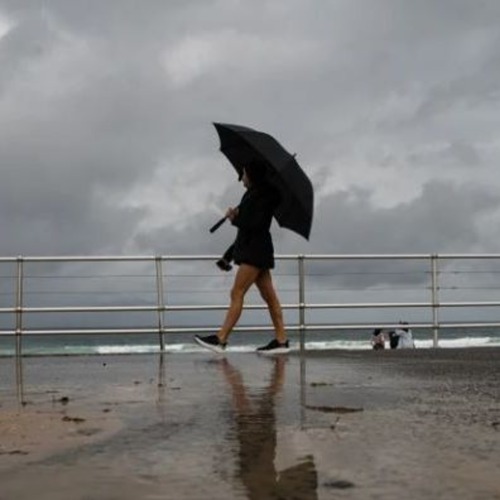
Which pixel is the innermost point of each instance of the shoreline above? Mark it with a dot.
(294, 352)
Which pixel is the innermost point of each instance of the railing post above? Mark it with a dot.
(19, 304)
(19, 330)
(302, 320)
(435, 298)
(302, 304)
(160, 300)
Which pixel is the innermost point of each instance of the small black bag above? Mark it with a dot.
(393, 340)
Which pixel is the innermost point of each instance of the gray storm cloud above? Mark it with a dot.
(107, 146)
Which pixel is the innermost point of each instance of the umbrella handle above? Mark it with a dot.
(218, 224)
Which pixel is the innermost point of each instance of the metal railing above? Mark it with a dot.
(431, 278)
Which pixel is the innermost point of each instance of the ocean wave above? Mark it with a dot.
(461, 342)
(191, 347)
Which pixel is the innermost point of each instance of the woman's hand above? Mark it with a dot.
(231, 213)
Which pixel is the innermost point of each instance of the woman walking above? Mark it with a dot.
(253, 252)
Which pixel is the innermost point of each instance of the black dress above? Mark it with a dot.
(253, 244)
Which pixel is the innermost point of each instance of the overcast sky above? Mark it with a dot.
(106, 110)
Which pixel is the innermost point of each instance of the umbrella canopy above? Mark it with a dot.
(242, 145)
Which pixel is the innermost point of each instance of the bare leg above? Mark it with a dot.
(244, 279)
(265, 285)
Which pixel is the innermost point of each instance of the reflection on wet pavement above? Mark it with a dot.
(206, 427)
(256, 435)
(196, 430)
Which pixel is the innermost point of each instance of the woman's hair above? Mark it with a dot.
(256, 172)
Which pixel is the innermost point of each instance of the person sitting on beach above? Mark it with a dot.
(402, 337)
(378, 339)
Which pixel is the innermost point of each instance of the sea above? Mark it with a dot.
(241, 341)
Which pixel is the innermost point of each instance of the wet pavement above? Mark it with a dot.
(244, 426)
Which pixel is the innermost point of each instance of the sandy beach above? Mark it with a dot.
(337, 424)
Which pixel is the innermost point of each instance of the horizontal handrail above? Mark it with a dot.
(218, 307)
(260, 328)
(149, 258)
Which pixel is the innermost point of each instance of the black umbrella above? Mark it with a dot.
(242, 145)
